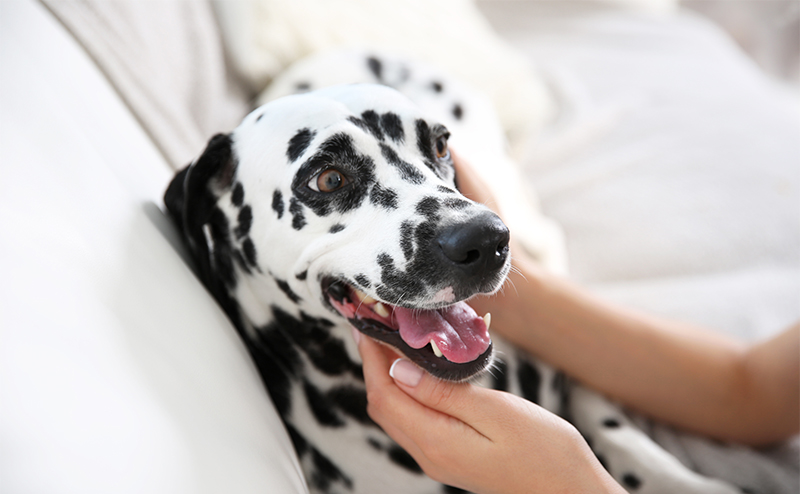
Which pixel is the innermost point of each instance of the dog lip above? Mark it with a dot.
(424, 357)
(342, 299)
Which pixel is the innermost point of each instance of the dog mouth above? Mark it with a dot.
(450, 343)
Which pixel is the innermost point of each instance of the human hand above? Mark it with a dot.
(478, 439)
(471, 185)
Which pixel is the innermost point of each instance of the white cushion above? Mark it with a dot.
(119, 373)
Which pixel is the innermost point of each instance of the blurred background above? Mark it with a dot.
(768, 30)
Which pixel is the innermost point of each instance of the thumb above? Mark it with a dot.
(463, 401)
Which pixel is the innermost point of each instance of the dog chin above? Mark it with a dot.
(449, 341)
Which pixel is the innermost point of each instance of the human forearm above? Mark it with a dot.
(683, 375)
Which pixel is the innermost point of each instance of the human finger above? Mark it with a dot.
(388, 405)
(480, 408)
(470, 184)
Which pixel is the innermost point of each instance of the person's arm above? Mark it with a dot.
(680, 374)
(687, 376)
(478, 439)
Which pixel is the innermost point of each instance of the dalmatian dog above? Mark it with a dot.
(339, 208)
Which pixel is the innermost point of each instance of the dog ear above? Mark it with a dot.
(191, 201)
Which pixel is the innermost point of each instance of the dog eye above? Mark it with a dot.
(442, 151)
(328, 181)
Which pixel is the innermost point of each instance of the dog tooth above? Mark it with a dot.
(363, 297)
(488, 320)
(380, 309)
(435, 348)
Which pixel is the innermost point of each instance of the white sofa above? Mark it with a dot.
(119, 372)
(672, 163)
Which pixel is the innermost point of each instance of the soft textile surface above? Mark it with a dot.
(674, 169)
(118, 372)
(266, 36)
(166, 61)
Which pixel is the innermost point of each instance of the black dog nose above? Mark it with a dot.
(476, 247)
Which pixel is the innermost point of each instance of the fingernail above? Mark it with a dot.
(404, 372)
(357, 335)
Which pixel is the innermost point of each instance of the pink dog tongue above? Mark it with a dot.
(457, 330)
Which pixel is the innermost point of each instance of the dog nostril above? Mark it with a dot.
(502, 249)
(476, 245)
(471, 257)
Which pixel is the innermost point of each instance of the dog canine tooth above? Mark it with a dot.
(436, 350)
(380, 309)
(487, 319)
(363, 297)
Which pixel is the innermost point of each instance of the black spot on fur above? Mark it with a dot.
(259, 117)
(446, 190)
(221, 255)
(500, 375)
(249, 249)
(325, 351)
(242, 262)
(326, 473)
(358, 168)
(302, 276)
(336, 228)
(402, 458)
(298, 441)
(321, 407)
(458, 111)
(422, 270)
(352, 401)
(277, 203)
(298, 218)
(561, 386)
(302, 86)
(299, 143)
(394, 283)
(456, 203)
(245, 220)
(393, 127)
(437, 86)
(375, 444)
(376, 67)
(631, 481)
(407, 239)
(611, 423)
(425, 141)
(287, 290)
(362, 280)
(278, 362)
(529, 381)
(382, 197)
(373, 123)
(429, 208)
(237, 196)
(408, 172)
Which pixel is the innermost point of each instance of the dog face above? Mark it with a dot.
(343, 202)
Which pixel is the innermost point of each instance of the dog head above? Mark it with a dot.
(343, 201)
